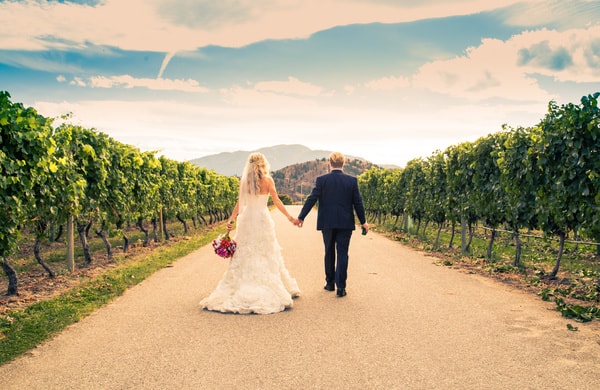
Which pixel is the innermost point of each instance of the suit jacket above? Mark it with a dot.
(339, 198)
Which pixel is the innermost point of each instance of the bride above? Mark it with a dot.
(257, 280)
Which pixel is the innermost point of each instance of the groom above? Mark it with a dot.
(339, 198)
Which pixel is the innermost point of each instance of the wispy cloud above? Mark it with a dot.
(38, 61)
(266, 99)
(292, 86)
(165, 62)
(127, 81)
(388, 83)
(152, 25)
(290, 96)
(209, 14)
(562, 14)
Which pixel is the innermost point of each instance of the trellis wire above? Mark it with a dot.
(538, 236)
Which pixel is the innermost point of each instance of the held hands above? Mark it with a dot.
(295, 221)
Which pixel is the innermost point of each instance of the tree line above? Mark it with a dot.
(78, 178)
(544, 178)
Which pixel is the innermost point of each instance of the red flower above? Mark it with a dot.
(224, 246)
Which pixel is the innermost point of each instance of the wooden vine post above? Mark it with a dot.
(70, 245)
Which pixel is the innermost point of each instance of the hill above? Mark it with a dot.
(279, 156)
(294, 167)
(297, 180)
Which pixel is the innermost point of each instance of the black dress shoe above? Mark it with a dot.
(341, 292)
(329, 287)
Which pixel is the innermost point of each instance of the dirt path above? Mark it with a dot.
(405, 324)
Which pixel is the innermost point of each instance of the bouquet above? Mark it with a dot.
(224, 246)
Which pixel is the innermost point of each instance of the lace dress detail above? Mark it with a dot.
(257, 280)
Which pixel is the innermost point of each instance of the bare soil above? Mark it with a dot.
(36, 285)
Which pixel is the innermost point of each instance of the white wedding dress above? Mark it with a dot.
(257, 280)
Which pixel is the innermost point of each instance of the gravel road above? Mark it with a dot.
(406, 323)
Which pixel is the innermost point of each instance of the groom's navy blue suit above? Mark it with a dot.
(339, 198)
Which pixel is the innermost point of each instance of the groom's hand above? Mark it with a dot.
(299, 222)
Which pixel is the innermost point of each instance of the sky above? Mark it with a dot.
(385, 80)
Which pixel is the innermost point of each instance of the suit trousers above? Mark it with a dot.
(337, 242)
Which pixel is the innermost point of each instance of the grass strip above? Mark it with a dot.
(22, 330)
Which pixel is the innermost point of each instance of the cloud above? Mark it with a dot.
(173, 25)
(266, 98)
(388, 83)
(504, 69)
(562, 14)
(129, 25)
(165, 62)
(487, 71)
(542, 55)
(289, 96)
(127, 81)
(77, 81)
(507, 69)
(207, 14)
(572, 55)
(38, 61)
(292, 86)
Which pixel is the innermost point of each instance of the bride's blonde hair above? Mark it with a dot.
(256, 168)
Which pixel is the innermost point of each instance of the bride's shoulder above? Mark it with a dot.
(266, 184)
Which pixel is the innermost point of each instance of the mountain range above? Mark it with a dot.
(294, 167)
(279, 156)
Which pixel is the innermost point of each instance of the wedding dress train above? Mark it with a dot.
(257, 280)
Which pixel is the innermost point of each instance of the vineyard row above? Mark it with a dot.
(543, 178)
(72, 176)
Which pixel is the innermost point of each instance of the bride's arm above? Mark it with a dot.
(233, 216)
(278, 203)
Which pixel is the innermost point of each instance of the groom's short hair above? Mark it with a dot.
(336, 159)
